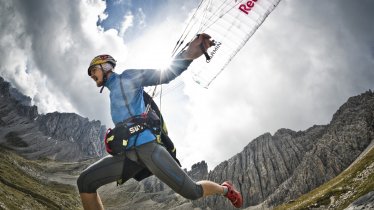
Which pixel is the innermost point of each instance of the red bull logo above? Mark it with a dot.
(247, 6)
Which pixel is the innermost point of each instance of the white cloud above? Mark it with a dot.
(141, 18)
(128, 21)
(55, 42)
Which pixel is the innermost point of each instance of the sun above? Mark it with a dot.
(156, 53)
(149, 55)
(160, 61)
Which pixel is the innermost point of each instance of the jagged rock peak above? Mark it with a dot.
(199, 165)
(6, 88)
(199, 170)
(12, 99)
(284, 131)
(353, 103)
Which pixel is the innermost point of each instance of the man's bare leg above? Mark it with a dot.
(91, 201)
(211, 188)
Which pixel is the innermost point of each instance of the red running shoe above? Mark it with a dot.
(233, 195)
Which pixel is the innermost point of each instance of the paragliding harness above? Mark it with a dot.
(116, 139)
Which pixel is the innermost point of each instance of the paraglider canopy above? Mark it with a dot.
(231, 23)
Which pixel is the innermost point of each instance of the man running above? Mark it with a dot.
(135, 147)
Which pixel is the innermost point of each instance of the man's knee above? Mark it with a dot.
(83, 183)
(80, 183)
(193, 193)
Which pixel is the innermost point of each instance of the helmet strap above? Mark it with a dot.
(104, 78)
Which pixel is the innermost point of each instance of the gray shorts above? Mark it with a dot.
(151, 156)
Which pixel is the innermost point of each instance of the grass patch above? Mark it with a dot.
(19, 190)
(342, 190)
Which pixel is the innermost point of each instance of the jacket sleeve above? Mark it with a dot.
(150, 77)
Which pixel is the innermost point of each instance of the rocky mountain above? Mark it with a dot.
(281, 167)
(58, 136)
(352, 189)
(275, 169)
(271, 170)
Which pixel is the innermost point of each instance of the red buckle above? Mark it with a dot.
(107, 148)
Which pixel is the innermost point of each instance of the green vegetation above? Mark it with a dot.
(19, 190)
(341, 191)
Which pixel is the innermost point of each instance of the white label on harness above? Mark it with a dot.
(135, 129)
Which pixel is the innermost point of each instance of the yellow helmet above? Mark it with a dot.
(101, 59)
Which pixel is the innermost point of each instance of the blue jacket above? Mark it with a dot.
(133, 82)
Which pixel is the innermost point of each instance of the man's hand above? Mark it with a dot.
(198, 47)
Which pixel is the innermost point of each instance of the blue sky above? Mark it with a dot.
(116, 10)
(144, 13)
(300, 66)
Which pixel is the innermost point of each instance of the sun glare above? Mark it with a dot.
(152, 49)
(161, 62)
(143, 56)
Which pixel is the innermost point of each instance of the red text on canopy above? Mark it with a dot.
(247, 6)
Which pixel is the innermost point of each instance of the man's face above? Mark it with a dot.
(97, 76)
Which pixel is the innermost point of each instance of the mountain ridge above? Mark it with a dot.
(315, 156)
(269, 171)
(59, 136)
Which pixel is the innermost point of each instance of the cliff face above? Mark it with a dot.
(14, 105)
(60, 136)
(72, 128)
(278, 168)
(349, 133)
(263, 165)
